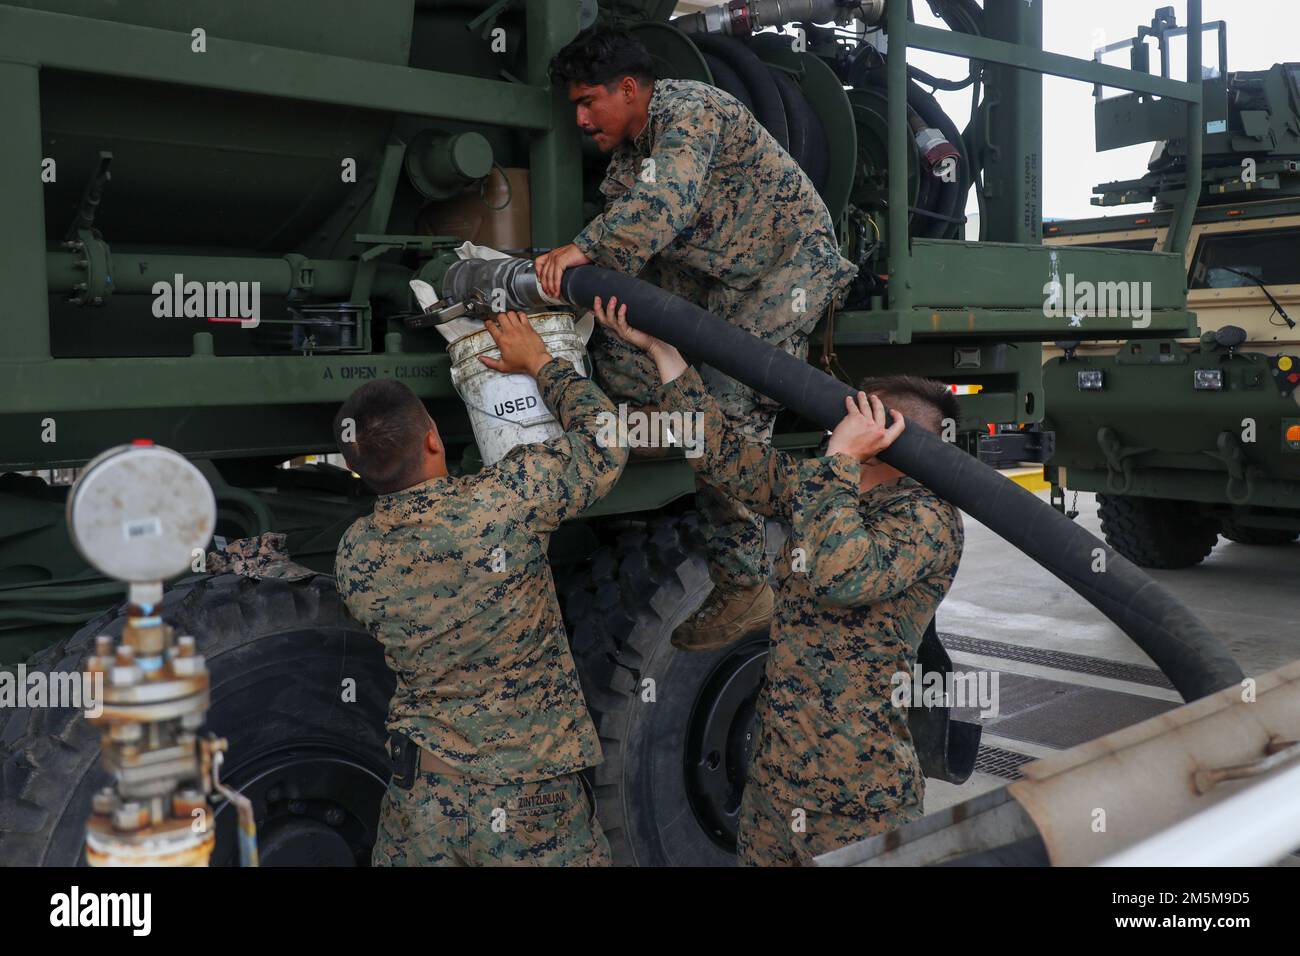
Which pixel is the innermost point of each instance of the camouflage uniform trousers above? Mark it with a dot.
(456, 821)
(771, 833)
(734, 535)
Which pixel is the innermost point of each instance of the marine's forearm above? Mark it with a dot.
(751, 472)
(668, 361)
(576, 401)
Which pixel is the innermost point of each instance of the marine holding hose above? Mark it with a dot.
(704, 203)
(488, 728)
(871, 554)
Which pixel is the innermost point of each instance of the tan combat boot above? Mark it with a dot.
(726, 615)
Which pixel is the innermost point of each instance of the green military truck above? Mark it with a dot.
(212, 216)
(1187, 439)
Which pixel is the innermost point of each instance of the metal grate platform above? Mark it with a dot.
(997, 762)
(1061, 660)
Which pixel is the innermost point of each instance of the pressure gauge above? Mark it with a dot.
(140, 513)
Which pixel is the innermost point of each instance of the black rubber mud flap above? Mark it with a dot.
(947, 748)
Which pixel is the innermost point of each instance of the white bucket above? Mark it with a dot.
(507, 410)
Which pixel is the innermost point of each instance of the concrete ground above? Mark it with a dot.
(1066, 673)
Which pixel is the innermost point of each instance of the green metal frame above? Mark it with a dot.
(920, 272)
(33, 383)
(58, 41)
(31, 40)
(935, 292)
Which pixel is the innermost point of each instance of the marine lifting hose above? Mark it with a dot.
(1174, 638)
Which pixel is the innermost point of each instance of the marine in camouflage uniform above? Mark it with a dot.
(860, 578)
(451, 575)
(707, 205)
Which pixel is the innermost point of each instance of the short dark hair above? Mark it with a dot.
(921, 400)
(389, 423)
(602, 57)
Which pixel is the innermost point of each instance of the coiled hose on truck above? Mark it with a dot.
(1181, 646)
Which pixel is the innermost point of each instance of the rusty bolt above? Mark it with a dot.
(187, 666)
(185, 802)
(126, 733)
(125, 676)
(131, 816)
(104, 801)
(124, 672)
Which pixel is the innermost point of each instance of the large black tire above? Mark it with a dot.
(1156, 532)
(314, 765)
(1261, 536)
(669, 788)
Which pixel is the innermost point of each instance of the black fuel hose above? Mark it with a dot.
(796, 121)
(807, 135)
(951, 201)
(753, 73)
(726, 79)
(1181, 646)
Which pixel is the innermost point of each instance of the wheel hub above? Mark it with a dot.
(720, 739)
(314, 807)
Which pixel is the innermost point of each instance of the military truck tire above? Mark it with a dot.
(1156, 532)
(673, 725)
(312, 761)
(1259, 536)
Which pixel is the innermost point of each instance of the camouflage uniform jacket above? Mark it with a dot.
(451, 576)
(729, 218)
(860, 579)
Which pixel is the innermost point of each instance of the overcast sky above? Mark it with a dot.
(1260, 33)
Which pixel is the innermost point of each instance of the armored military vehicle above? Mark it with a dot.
(1186, 439)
